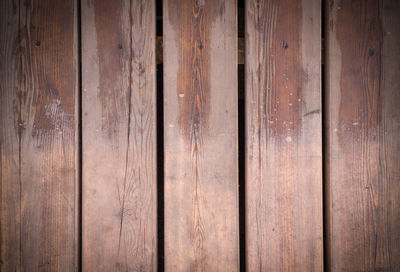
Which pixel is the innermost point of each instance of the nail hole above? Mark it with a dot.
(371, 52)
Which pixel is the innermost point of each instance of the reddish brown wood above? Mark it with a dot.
(200, 123)
(38, 146)
(159, 47)
(363, 188)
(283, 136)
(119, 136)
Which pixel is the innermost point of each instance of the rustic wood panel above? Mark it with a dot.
(38, 146)
(159, 53)
(363, 117)
(283, 136)
(200, 123)
(119, 136)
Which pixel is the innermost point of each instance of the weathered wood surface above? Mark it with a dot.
(200, 123)
(159, 54)
(38, 144)
(119, 136)
(363, 127)
(283, 136)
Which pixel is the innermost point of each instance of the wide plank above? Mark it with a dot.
(119, 227)
(283, 149)
(363, 127)
(201, 135)
(38, 135)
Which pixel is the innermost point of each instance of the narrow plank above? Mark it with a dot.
(363, 173)
(119, 136)
(283, 136)
(200, 123)
(39, 145)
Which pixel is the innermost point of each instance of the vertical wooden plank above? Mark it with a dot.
(200, 123)
(38, 148)
(283, 136)
(119, 136)
(363, 173)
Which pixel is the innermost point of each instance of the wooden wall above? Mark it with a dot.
(201, 135)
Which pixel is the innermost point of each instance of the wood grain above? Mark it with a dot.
(119, 136)
(159, 47)
(39, 144)
(283, 136)
(363, 173)
(200, 122)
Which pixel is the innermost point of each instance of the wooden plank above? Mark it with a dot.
(159, 53)
(119, 136)
(200, 123)
(283, 136)
(38, 147)
(363, 188)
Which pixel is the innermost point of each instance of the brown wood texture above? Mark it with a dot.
(200, 123)
(363, 146)
(39, 144)
(119, 136)
(159, 54)
(283, 136)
